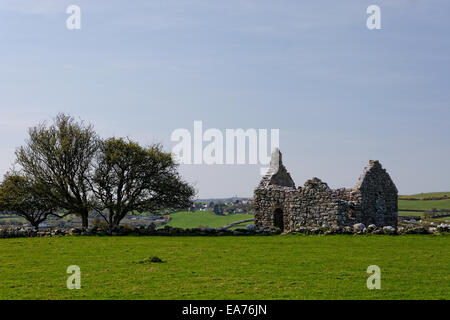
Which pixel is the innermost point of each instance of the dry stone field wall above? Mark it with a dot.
(278, 203)
(405, 227)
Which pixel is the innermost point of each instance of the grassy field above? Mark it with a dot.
(410, 213)
(194, 219)
(271, 267)
(422, 205)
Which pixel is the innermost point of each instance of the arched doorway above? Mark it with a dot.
(278, 219)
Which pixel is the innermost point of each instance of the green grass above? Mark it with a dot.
(410, 213)
(194, 219)
(423, 204)
(257, 267)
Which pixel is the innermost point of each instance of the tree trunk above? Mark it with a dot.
(84, 220)
(116, 220)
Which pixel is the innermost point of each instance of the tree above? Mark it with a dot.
(218, 208)
(129, 178)
(59, 158)
(18, 195)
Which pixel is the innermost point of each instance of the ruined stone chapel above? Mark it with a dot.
(278, 203)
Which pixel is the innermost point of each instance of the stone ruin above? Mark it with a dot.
(278, 203)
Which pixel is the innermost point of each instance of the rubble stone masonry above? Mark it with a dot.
(278, 203)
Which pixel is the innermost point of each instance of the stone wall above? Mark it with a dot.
(405, 227)
(25, 232)
(271, 194)
(266, 203)
(316, 205)
(372, 201)
(344, 194)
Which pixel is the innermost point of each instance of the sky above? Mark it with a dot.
(339, 93)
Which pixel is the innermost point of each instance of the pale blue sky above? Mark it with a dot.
(339, 93)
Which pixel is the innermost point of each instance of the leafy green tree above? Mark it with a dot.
(18, 195)
(59, 158)
(129, 177)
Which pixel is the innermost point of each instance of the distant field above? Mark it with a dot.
(410, 213)
(194, 219)
(422, 205)
(253, 267)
